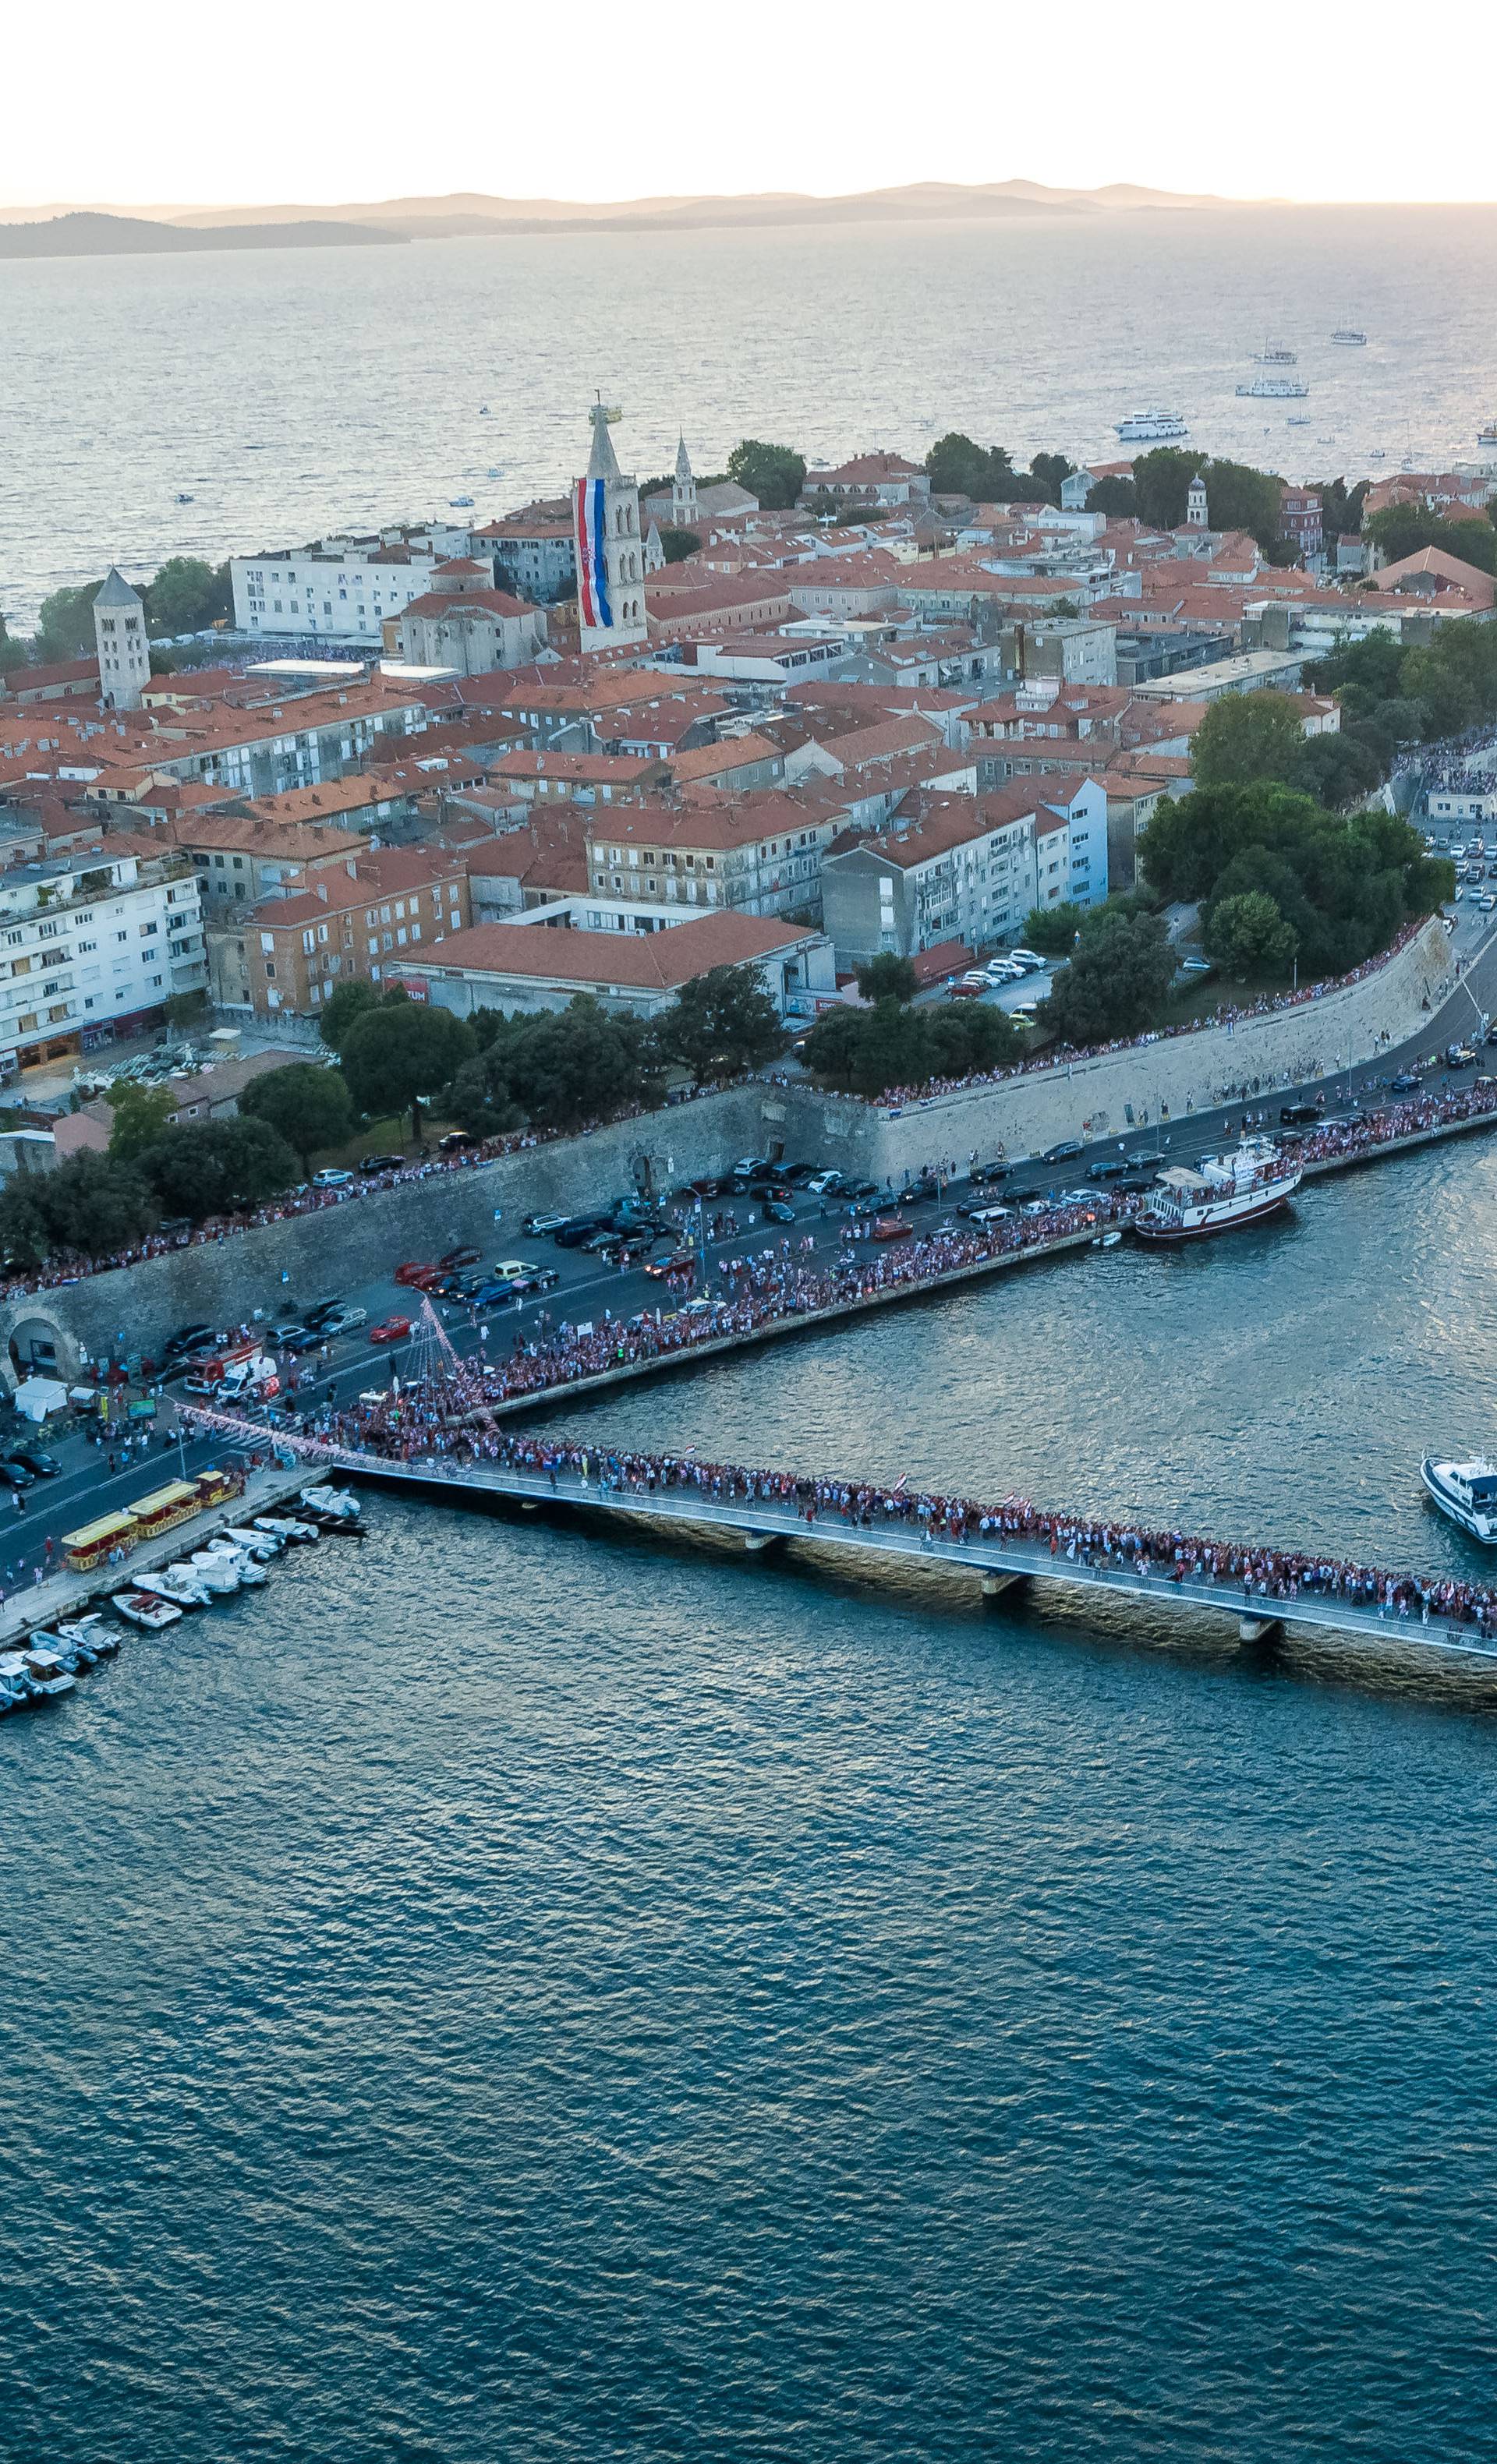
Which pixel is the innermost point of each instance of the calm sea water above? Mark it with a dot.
(507, 1993)
(299, 390)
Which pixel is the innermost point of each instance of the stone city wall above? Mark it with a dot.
(1163, 1080)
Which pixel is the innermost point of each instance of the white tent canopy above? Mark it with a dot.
(36, 1396)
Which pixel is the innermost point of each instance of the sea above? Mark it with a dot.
(299, 392)
(507, 1991)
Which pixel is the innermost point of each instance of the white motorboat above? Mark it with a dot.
(219, 1572)
(1351, 336)
(92, 1630)
(1466, 1491)
(1222, 1190)
(18, 1680)
(262, 1546)
(335, 1508)
(73, 1654)
(140, 1608)
(11, 1698)
(177, 1584)
(1150, 426)
(249, 1569)
(1275, 389)
(1487, 435)
(285, 1529)
(48, 1672)
(1107, 1240)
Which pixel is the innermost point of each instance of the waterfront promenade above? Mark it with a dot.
(1260, 1587)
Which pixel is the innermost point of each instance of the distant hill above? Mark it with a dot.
(94, 234)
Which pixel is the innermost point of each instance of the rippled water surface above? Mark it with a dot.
(299, 390)
(504, 1992)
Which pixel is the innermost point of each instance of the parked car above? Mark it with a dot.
(1458, 1056)
(970, 988)
(823, 1182)
(1061, 1150)
(380, 1162)
(984, 1215)
(458, 1142)
(1406, 1083)
(794, 1171)
(460, 1257)
(390, 1330)
(538, 1226)
(762, 1189)
(15, 1475)
(489, 1294)
(31, 1459)
(577, 1233)
(285, 1332)
(525, 1273)
(860, 1189)
(344, 1319)
(417, 1276)
(331, 1177)
(319, 1313)
(778, 1210)
(1298, 1114)
(188, 1338)
(1107, 1168)
(1030, 960)
(753, 1167)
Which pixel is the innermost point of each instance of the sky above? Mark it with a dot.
(290, 102)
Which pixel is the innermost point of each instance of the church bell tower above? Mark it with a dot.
(610, 555)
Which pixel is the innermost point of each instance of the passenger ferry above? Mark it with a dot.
(1351, 336)
(1274, 355)
(1275, 389)
(1186, 1203)
(1147, 426)
(1466, 1491)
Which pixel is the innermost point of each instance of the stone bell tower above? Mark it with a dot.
(610, 553)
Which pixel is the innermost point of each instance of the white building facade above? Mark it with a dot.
(339, 589)
(93, 949)
(125, 659)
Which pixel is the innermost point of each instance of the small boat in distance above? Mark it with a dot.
(1351, 336)
(1467, 1493)
(183, 497)
(1274, 355)
(1187, 1203)
(1487, 435)
(1275, 389)
(1147, 426)
(459, 500)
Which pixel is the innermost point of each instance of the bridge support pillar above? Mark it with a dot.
(755, 1541)
(1257, 1629)
(995, 1585)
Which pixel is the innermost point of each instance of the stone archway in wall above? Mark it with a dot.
(35, 1342)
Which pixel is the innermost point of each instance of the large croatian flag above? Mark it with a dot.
(592, 568)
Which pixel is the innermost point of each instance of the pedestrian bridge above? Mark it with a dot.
(1000, 1561)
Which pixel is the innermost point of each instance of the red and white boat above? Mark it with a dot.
(1188, 1203)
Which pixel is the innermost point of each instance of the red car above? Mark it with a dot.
(419, 1278)
(890, 1227)
(391, 1330)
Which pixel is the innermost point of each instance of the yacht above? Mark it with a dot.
(1275, 389)
(1188, 1203)
(1147, 426)
(1487, 435)
(1274, 355)
(141, 1608)
(1351, 336)
(1466, 1491)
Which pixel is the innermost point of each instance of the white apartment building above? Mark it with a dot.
(92, 949)
(340, 589)
(958, 867)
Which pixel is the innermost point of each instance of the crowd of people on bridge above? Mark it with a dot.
(1257, 1580)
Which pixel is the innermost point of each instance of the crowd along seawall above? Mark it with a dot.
(301, 1257)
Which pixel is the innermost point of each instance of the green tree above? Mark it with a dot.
(404, 1049)
(183, 1009)
(886, 977)
(958, 466)
(1118, 498)
(1455, 678)
(186, 595)
(1245, 737)
(1117, 981)
(1052, 930)
(969, 1038)
(721, 1022)
(95, 1204)
(65, 625)
(218, 1167)
(1161, 480)
(1361, 674)
(1047, 471)
(13, 651)
(774, 474)
(1403, 530)
(677, 545)
(306, 1104)
(576, 1064)
(1344, 769)
(349, 1001)
(479, 1098)
(24, 1238)
(140, 1116)
(1248, 937)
